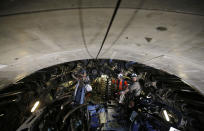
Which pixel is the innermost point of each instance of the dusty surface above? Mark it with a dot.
(171, 39)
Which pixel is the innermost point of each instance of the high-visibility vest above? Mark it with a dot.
(120, 84)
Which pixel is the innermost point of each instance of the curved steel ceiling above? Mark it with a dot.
(167, 35)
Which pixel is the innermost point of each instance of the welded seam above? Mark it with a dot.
(64, 9)
(154, 58)
(82, 29)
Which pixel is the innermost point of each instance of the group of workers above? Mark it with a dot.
(122, 88)
(127, 95)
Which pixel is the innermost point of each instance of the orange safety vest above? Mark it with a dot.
(120, 84)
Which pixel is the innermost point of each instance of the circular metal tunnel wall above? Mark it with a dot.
(165, 35)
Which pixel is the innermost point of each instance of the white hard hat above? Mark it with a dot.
(120, 75)
(134, 75)
(88, 88)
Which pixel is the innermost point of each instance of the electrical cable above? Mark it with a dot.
(109, 26)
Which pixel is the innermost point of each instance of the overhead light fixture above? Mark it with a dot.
(173, 129)
(61, 107)
(35, 106)
(148, 97)
(166, 115)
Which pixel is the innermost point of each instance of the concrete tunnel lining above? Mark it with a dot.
(35, 41)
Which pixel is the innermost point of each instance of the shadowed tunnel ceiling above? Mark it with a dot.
(167, 35)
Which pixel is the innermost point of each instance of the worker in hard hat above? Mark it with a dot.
(135, 86)
(120, 86)
(82, 87)
(129, 94)
(133, 91)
